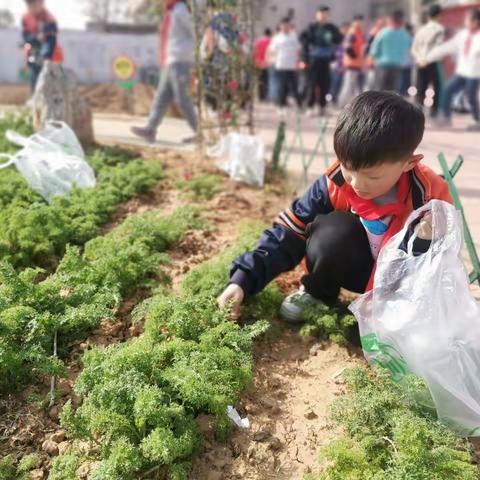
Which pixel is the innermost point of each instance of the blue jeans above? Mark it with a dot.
(173, 86)
(454, 86)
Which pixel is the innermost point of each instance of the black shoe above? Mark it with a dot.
(145, 133)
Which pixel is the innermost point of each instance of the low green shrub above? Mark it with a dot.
(201, 186)
(84, 290)
(145, 394)
(389, 436)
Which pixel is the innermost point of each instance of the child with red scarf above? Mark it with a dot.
(347, 215)
(39, 32)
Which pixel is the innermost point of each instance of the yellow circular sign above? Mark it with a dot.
(124, 67)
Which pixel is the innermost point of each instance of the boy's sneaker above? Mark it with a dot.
(474, 127)
(145, 133)
(294, 306)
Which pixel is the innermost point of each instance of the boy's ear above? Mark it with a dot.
(412, 162)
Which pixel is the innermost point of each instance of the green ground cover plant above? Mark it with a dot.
(85, 289)
(141, 398)
(388, 435)
(35, 233)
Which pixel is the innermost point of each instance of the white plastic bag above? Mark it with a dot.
(51, 161)
(242, 157)
(421, 318)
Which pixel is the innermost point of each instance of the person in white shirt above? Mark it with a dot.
(466, 46)
(284, 54)
(426, 39)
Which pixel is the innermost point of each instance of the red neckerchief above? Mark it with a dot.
(369, 210)
(165, 33)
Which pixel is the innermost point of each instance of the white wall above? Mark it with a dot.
(88, 54)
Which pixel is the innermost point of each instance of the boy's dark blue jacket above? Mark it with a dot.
(282, 247)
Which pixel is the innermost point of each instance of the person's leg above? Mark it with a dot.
(405, 80)
(337, 84)
(282, 78)
(338, 255)
(423, 79)
(293, 87)
(349, 87)
(161, 102)
(436, 79)
(324, 82)
(396, 79)
(180, 83)
(312, 84)
(263, 84)
(34, 74)
(454, 85)
(381, 78)
(471, 90)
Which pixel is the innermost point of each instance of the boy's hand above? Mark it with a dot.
(424, 228)
(233, 295)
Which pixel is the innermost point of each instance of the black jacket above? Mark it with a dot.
(319, 41)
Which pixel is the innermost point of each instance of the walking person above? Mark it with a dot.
(338, 71)
(390, 51)
(354, 62)
(319, 43)
(466, 46)
(371, 79)
(260, 57)
(284, 52)
(426, 39)
(177, 47)
(39, 33)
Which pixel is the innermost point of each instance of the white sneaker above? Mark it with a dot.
(282, 113)
(312, 113)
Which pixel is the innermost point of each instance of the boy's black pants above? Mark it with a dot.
(338, 256)
(427, 75)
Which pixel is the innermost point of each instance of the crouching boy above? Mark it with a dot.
(347, 215)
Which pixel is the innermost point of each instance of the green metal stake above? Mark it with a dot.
(298, 138)
(277, 148)
(449, 174)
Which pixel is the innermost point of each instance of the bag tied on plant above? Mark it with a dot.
(51, 161)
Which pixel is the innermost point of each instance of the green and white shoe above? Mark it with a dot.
(295, 305)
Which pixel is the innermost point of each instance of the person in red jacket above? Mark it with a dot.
(353, 62)
(39, 32)
(260, 57)
(344, 219)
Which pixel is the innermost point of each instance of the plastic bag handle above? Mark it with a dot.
(16, 138)
(11, 160)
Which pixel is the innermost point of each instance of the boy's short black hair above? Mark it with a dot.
(434, 10)
(323, 8)
(358, 17)
(268, 32)
(377, 127)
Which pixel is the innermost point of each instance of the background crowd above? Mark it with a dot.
(327, 63)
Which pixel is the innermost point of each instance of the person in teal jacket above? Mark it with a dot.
(390, 51)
